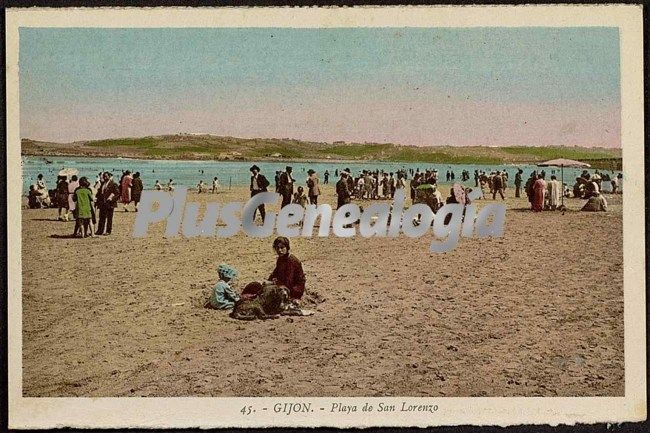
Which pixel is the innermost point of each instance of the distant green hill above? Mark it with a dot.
(201, 147)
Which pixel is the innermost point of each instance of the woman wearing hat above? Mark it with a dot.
(314, 189)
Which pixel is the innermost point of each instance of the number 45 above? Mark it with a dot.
(246, 410)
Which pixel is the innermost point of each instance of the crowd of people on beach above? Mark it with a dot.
(70, 195)
(377, 185)
(90, 205)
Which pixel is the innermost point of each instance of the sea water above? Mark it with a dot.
(237, 174)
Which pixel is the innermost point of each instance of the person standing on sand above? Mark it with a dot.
(401, 184)
(277, 182)
(553, 193)
(259, 184)
(313, 188)
(326, 177)
(107, 196)
(215, 185)
(367, 185)
(342, 190)
(497, 186)
(518, 181)
(391, 185)
(415, 182)
(98, 181)
(539, 189)
(385, 187)
(83, 197)
(359, 187)
(125, 189)
(529, 187)
(614, 182)
(286, 186)
(350, 181)
(62, 197)
(72, 186)
(136, 189)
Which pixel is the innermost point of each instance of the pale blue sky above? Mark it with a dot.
(116, 73)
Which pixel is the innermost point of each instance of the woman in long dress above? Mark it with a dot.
(125, 194)
(539, 188)
(62, 197)
(136, 189)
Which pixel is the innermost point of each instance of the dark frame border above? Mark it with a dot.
(625, 427)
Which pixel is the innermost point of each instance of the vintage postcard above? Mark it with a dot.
(347, 217)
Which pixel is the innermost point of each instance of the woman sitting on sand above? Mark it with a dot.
(33, 198)
(288, 269)
(223, 296)
(596, 203)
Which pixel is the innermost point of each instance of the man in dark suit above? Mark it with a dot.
(107, 196)
(343, 190)
(286, 186)
(259, 184)
(518, 182)
(497, 186)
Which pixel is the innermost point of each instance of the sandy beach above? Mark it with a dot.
(538, 312)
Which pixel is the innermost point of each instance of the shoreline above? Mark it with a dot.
(594, 162)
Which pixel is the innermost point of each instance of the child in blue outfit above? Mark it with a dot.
(223, 296)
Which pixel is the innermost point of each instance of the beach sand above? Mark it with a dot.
(538, 312)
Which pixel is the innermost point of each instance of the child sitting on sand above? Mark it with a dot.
(223, 296)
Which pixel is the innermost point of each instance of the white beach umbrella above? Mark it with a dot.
(68, 172)
(562, 162)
